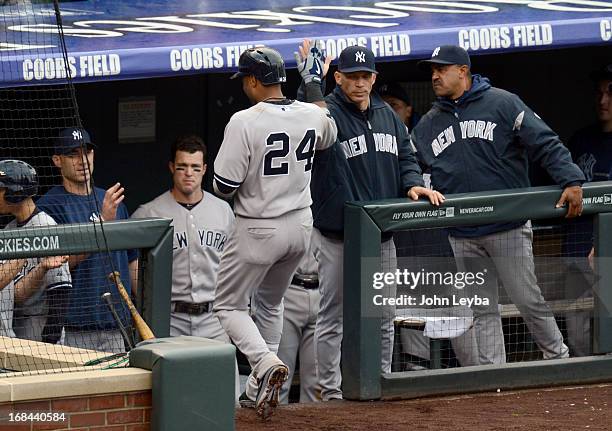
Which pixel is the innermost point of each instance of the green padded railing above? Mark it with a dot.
(152, 236)
(364, 222)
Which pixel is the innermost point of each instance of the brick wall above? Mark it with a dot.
(115, 412)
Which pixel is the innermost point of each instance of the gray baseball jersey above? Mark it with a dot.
(200, 235)
(53, 279)
(267, 155)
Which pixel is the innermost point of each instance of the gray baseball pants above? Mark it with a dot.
(259, 261)
(579, 281)
(505, 257)
(301, 307)
(205, 325)
(329, 253)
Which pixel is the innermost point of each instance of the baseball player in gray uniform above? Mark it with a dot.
(265, 160)
(301, 306)
(25, 301)
(202, 223)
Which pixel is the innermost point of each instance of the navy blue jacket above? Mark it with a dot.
(86, 311)
(590, 148)
(483, 141)
(372, 159)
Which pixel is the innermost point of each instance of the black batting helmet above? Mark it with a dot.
(265, 64)
(19, 179)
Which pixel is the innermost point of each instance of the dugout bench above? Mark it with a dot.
(437, 345)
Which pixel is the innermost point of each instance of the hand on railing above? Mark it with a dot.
(573, 196)
(435, 197)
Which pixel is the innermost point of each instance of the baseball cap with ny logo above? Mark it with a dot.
(71, 139)
(447, 54)
(356, 59)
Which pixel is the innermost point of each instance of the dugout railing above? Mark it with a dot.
(178, 365)
(361, 353)
(152, 237)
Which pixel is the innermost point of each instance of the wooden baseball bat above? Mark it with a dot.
(141, 326)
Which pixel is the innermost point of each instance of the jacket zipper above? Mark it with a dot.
(371, 158)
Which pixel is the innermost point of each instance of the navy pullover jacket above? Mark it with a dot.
(483, 141)
(372, 159)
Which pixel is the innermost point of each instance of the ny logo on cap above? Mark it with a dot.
(436, 52)
(360, 56)
(76, 135)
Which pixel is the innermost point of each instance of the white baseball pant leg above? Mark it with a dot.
(512, 255)
(299, 322)
(261, 255)
(328, 334)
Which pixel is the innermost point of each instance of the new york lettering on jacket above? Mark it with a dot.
(372, 159)
(484, 141)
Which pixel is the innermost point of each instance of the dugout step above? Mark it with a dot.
(509, 376)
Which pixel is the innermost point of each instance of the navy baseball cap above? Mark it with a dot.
(602, 73)
(356, 59)
(393, 89)
(447, 54)
(71, 138)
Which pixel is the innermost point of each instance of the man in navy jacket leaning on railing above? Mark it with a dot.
(477, 137)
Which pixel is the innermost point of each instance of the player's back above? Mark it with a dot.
(267, 152)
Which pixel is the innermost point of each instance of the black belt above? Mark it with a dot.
(306, 284)
(191, 308)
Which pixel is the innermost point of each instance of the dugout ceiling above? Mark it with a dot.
(117, 39)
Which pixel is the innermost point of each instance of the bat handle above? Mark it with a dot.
(109, 303)
(143, 329)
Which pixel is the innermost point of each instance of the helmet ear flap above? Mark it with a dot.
(17, 193)
(14, 194)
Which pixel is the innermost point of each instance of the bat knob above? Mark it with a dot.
(113, 276)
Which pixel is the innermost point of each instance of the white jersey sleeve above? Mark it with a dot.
(329, 131)
(232, 163)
